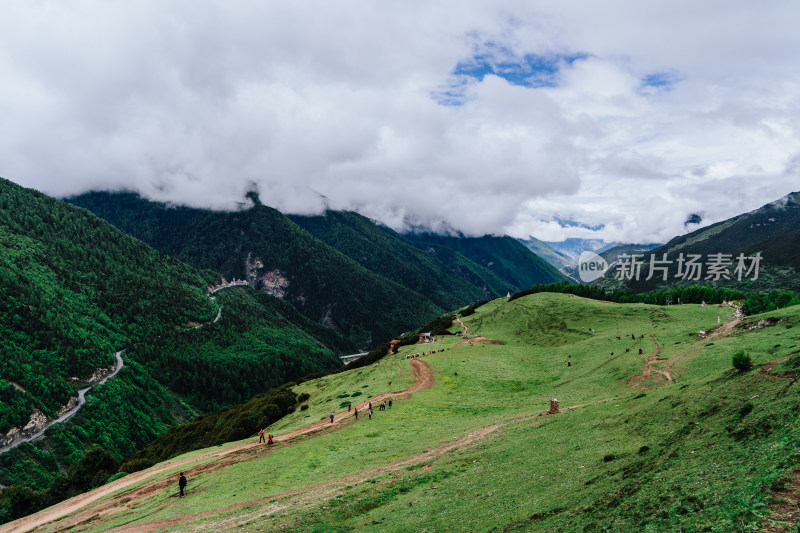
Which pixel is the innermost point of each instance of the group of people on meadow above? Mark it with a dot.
(368, 408)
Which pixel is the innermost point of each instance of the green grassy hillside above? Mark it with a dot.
(75, 290)
(672, 439)
(276, 256)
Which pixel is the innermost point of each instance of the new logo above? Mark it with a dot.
(591, 266)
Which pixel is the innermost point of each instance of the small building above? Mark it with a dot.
(425, 337)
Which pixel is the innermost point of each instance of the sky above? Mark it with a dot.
(614, 120)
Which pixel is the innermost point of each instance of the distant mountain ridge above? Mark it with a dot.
(387, 253)
(558, 259)
(504, 256)
(772, 231)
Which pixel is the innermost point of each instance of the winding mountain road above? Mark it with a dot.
(69, 414)
(120, 363)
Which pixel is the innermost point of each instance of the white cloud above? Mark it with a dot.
(192, 102)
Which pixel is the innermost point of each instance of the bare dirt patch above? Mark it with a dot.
(785, 506)
(652, 358)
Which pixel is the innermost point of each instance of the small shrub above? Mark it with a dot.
(743, 411)
(357, 393)
(780, 483)
(609, 457)
(304, 407)
(303, 397)
(116, 476)
(344, 404)
(643, 449)
(741, 361)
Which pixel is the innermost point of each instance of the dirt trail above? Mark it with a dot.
(423, 379)
(652, 358)
(725, 329)
(466, 327)
(326, 489)
(329, 488)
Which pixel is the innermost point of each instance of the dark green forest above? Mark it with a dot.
(449, 280)
(751, 302)
(73, 290)
(319, 281)
(505, 257)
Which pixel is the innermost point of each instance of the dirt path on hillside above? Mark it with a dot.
(724, 330)
(271, 504)
(320, 490)
(423, 379)
(651, 359)
(466, 327)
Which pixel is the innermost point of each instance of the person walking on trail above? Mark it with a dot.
(182, 484)
(370, 413)
(355, 412)
(390, 403)
(270, 439)
(261, 436)
(331, 415)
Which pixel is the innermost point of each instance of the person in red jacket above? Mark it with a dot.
(261, 436)
(270, 439)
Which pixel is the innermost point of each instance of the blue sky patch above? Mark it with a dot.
(659, 81)
(529, 70)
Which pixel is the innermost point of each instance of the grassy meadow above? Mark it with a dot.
(693, 446)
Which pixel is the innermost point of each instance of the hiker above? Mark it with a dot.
(261, 436)
(270, 439)
(182, 483)
(370, 406)
(331, 418)
(390, 403)
(370, 413)
(349, 407)
(382, 407)
(355, 412)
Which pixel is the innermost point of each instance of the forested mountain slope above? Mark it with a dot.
(276, 256)
(505, 257)
(448, 283)
(74, 290)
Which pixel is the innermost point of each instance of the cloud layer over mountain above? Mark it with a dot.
(483, 118)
